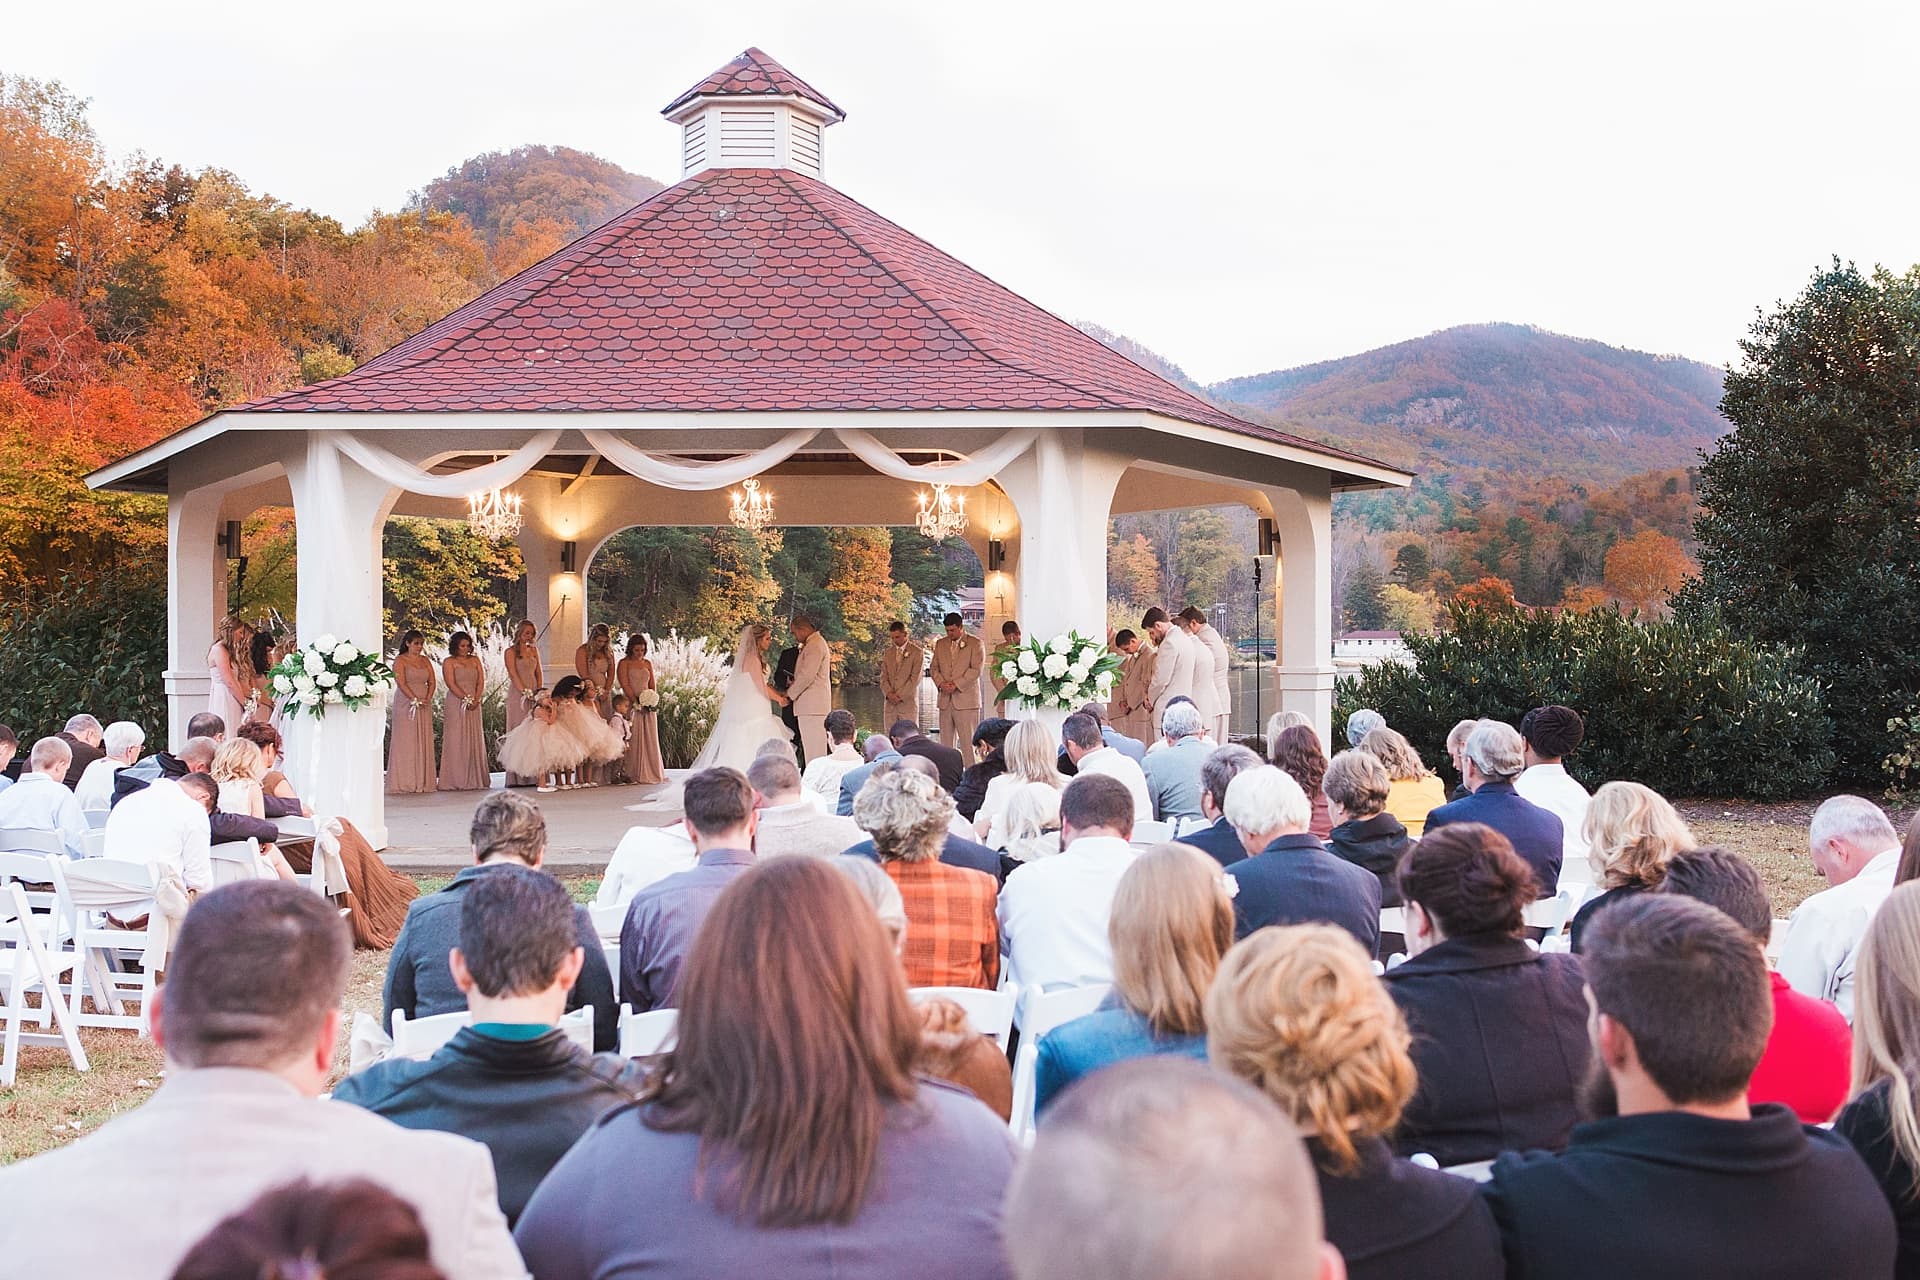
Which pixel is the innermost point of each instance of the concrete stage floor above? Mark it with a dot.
(429, 833)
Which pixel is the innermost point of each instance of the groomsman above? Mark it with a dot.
(1128, 710)
(1172, 664)
(958, 660)
(902, 663)
(1009, 636)
(1204, 632)
(1209, 673)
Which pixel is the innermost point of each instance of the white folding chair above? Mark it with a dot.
(607, 920)
(87, 890)
(45, 920)
(1152, 831)
(1393, 920)
(96, 818)
(423, 1037)
(1776, 940)
(1550, 914)
(989, 1012)
(27, 965)
(93, 842)
(234, 861)
(645, 1034)
(32, 840)
(1037, 1013)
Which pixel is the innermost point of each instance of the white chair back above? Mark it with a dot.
(645, 1034)
(1775, 941)
(96, 818)
(1393, 920)
(989, 1012)
(28, 966)
(1037, 1013)
(423, 1037)
(1152, 831)
(607, 920)
(1552, 913)
(93, 842)
(88, 889)
(234, 861)
(31, 840)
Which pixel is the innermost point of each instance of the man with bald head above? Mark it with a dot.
(877, 748)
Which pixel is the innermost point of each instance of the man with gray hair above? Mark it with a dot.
(1288, 876)
(1221, 841)
(1856, 848)
(1173, 769)
(789, 821)
(121, 741)
(1363, 722)
(1160, 1167)
(41, 801)
(82, 735)
(1490, 759)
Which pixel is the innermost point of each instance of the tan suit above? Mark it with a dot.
(959, 663)
(1222, 686)
(1205, 695)
(901, 667)
(1172, 672)
(1131, 716)
(203, 1147)
(811, 692)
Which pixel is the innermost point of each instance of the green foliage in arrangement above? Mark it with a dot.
(95, 644)
(1685, 707)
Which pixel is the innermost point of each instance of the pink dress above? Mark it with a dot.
(463, 738)
(410, 768)
(643, 743)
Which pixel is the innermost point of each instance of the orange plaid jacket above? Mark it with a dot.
(952, 937)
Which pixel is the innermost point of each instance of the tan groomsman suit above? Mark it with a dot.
(1172, 671)
(901, 667)
(1205, 696)
(1222, 691)
(959, 663)
(1136, 677)
(811, 693)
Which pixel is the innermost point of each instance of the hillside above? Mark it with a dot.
(503, 193)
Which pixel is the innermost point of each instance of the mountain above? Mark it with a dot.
(1147, 359)
(503, 193)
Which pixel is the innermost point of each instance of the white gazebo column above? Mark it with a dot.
(196, 597)
(340, 510)
(1303, 601)
(1063, 491)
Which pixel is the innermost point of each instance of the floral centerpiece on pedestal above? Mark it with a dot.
(330, 673)
(1060, 674)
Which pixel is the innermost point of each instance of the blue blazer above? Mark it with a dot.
(1220, 841)
(1295, 880)
(1535, 833)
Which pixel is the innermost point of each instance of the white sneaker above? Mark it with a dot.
(543, 789)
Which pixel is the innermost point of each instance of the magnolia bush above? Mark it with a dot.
(1063, 673)
(691, 678)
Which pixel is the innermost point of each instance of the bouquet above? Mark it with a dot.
(649, 700)
(1061, 673)
(330, 673)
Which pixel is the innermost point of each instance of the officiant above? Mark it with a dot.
(783, 681)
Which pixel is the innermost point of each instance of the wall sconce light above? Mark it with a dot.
(229, 539)
(1269, 543)
(569, 556)
(996, 554)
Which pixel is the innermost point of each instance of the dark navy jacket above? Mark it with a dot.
(1220, 841)
(1535, 833)
(1295, 880)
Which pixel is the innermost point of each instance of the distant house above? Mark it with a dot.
(1355, 649)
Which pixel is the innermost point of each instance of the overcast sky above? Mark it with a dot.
(1239, 186)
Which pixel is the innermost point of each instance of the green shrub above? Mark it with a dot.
(1902, 765)
(94, 643)
(1685, 707)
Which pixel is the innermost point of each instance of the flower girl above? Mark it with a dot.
(540, 746)
(598, 743)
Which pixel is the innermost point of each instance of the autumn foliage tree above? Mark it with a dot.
(1643, 571)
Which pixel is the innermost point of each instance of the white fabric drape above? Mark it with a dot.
(402, 474)
(975, 469)
(669, 473)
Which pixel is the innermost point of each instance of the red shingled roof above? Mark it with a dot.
(754, 289)
(754, 73)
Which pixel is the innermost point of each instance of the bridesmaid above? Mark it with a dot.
(230, 671)
(410, 757)
(643, 744)
(463, 740)
(524, 682)
(263, 655)
(593, 663)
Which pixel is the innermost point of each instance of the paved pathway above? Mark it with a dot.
(429, 833)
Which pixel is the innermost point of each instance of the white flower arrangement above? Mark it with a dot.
(1054, 666)
(1059, 673)
(319, 676)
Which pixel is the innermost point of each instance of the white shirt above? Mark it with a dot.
(1116, 764)
(644, 855)
(823, 775)
(1053, 913)
(1552, 788)
(162, 827)
(38, 803)
(95, 788)
(1824, 932)
(798, 827)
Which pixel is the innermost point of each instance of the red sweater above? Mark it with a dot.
(1809, 1056)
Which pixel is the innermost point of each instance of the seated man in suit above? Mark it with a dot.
(789, 822)
(1288, 876)
(1220, 841)
(248, 1019)
(1490, 759)
(878, 749)
(512, 1080)
(909, 739)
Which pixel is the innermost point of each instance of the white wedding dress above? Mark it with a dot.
(746, 713)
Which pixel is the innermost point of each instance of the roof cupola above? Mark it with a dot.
(753, 113)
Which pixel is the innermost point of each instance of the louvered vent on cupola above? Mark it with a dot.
(753, 114)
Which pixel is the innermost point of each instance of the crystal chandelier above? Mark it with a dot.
(752, 510)
(493, 514)
(943, 514)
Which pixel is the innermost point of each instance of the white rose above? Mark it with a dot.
(308, 698)
(1009, 669)
(343, 653)
(1060, 644)
(1089, 656)
(355, 687)
(282, 685)
(1055, 666)
(1069, 691)
(333, 695)
(1103, 681)
(1077, 673)
(313, 662)
(1028, 686)
(1028, 663)
(325, 642)
(326, 679)
(303, 683)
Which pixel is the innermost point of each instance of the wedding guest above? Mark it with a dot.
(165, 826)
(786, 1133)
(1172, 920)
(953, 1051)
(637, 680)
(989, 762)
(1278, 723)
(1550, 734)
(463, 741)
(1032, 756)
(507, 830)
(410, 768)
(1356, 788)
(1681, 1174)
(1500, 1030)
(352, 1229)
(1490, 759)
(1173, 772)
(956, 850)
(875, 751)
(121, 741)
(664, 919)
(1053, 913)
(1297, 1012)
(1361, 723)
(1298, 752)
(822, 776)
(910, 740)
(593, 662)
(1810, 1049)
(952, 938)
(958, 659)
(511, 1079)
(1288, 877)
(1881, 1119)
(1416, 790)
(1133, 749)
(238, 766)
(1456, 746)
(1160, 1167)
(788, 823)
(1631, 834)
(1855, 847)
(40, 801)
(1089, 753)
(9, 747)
(230, 670)
(248, 1021)
(82, 735)
(902, 665)
(194, 756)
(1032, 823)
(1220, 841)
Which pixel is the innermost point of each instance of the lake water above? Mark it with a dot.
(865, 703)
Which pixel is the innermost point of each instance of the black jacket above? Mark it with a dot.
(84, 754)
(1390, 1218)
(974, 780)
(1867, 1123)
(1375, 844)
(1220, 841)
(948, 761)
(1667, 1194)
(1295, 880)
(221, 825)
(957, 852)
(527, 1100)
(1499, 1046)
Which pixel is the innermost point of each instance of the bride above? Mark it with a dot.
(745, 721)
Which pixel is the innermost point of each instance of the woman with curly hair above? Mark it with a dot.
(1632, 834)
(1297, 751)
(1296, 1011)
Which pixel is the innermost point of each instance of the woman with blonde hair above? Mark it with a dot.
(1416, 790)
(525, 682)
(239, 767)
(1171, 922)
(230, 672)
(1883, 1119)
(1278, 723)
(1296, 1012)
(1032, 822)
(1631, 833)
(1032, 753)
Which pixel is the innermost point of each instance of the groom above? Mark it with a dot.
(811, 691)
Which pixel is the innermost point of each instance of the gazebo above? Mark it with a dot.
(750, 322)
